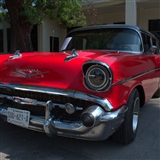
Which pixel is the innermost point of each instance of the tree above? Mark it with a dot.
(92, 13)
(23, 14)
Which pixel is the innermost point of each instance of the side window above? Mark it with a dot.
(158, 47)
(146, 42)
(155, 43)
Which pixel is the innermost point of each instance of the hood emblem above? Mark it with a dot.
(27, 73)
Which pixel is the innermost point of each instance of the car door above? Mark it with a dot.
(156, 56)
(151, 50)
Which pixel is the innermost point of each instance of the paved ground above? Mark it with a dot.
(21, 144)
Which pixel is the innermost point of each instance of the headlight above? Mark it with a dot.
(98, 78)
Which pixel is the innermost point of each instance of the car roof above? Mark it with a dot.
(138, 29)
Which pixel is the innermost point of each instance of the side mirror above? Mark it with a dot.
(153, 49)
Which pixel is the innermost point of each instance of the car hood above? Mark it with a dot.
(51, 69)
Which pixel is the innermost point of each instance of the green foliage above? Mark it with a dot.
(65, 12)
(3, 12)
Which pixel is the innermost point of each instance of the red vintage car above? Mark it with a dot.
(90, 90)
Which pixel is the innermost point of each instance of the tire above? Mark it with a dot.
(157, 94)
(127, 131)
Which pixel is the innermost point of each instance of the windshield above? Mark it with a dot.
(120, 39)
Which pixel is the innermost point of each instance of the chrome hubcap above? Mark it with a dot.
(135, 114)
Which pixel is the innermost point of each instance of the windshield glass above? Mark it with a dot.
(120, 39)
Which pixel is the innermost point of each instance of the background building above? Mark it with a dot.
(49, 36)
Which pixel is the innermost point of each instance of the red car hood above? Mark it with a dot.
(50, 69)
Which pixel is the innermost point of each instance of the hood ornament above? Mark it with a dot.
(27, 73)
(17, 54)
(71, 56)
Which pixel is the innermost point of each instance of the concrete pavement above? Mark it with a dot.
(22, 144)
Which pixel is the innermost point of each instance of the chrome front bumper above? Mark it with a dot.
(96, 122)
(106, 124)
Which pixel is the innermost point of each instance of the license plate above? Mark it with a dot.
(18, 117)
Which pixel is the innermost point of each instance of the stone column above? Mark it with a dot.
(130, 12)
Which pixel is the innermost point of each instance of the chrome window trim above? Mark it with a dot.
(137, 29)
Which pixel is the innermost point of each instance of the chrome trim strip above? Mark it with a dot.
(37, 89)
(102, 102)
(134, 77)
(73, 94)
(114, 114)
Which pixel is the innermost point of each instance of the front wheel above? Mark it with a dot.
(127, 131)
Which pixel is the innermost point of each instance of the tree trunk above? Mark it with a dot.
(20, 29)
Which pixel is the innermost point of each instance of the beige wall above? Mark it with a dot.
(147, 14)
(143, 15)
(111, 18)
(45, 30)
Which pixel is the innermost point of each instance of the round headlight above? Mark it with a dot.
(98, 78)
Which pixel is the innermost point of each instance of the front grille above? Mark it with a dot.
(35, 110)
(35, 95)
(44, 97)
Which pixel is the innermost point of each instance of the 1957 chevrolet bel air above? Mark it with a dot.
(92, 89)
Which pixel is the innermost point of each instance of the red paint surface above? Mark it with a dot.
(69, 75)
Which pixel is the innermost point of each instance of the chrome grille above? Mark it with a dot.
(43, 97)
(35, 110)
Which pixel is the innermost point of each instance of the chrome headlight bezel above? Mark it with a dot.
(97, 76)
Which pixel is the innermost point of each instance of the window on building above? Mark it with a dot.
(119, 23)
(54, 44)
(8, 39)
(34, 38)
(1, 41)
(154, 27)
